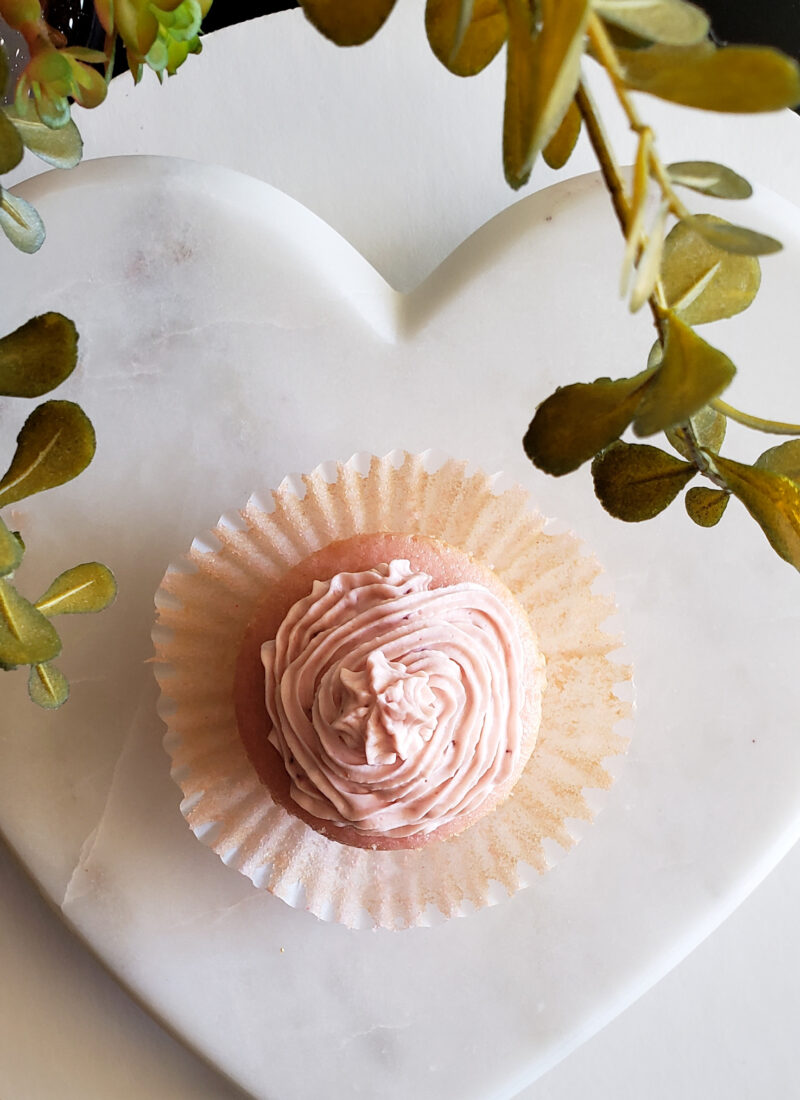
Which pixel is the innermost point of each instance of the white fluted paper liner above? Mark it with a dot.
(204, 606)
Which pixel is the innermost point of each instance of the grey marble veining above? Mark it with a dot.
(218, 358)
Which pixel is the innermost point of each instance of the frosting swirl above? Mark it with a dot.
(396, 707)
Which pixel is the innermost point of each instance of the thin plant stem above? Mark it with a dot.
(697, 456)
(612, 177)
(607, 56)
(758, 423)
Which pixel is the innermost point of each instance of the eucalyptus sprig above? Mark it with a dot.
(689, 268)
(55, 444)
(57, 440)
(158, 34)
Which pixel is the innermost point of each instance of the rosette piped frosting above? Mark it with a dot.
(397, 707)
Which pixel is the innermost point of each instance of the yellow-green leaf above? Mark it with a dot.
(690, 374)
(11, 148)
(11, 550)
(62, 148)
(634, 481)
(771, 499)
(89, 88)
(26, 636)
(709, 430)
(136, 23)
(56, 442)
(577, 421)
(48, 687)
(135, 64)
(732, 238)
(559, 148)
(521, 62)
(20, 222)
(104, 10)
(706, 506)
(655, 355)
(543, 69)
(709, 178)
(734, 78)
(702, 282)
(84, 588)
(641, 180)
(81, 53)
(347, 22)
(672, 22)
(783, 459)
(18, 12)
(466, 34)
(38, 356)
(623, 40)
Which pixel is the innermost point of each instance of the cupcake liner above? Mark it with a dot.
(204, 605)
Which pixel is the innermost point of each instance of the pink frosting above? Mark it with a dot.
(396, 707)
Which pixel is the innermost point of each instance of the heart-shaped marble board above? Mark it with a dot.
(229, 337)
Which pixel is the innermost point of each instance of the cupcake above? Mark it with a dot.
(355, 691)
(397, 696)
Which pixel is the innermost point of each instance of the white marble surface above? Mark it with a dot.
(396, 257)
(721, 1025)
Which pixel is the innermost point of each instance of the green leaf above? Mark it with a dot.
(84, 588)
(62, 148)
(690, 374)
(26, 635)
(701, 282)
(783, 459)
(634, 481)
(705, 506)
(38, 356)
(709, 179)
(55, 444)
(577, 421)
(709, 430)
(11, 147)
(733, 79)
(11, 550)
(158, 55)
(20, 222)
(669, 21)
(24, 103)
(732, 238)
(771, 499)
(559, 148)
(48, 687)
(466, 34)
(347, 22)
(53, 110)
(3, 68)
(542, 74)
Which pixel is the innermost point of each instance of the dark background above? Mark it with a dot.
(766, 22)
